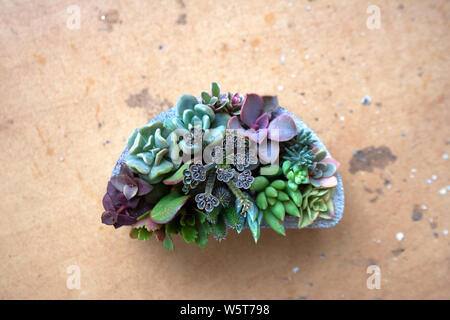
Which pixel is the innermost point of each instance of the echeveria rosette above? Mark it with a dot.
(153, 151)
(316, 203)
(323, 170)
(256, 116)
(197, 123)
(124, 200)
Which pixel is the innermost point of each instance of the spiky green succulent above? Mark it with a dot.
(153, 151)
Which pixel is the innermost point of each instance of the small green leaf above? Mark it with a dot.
(203, 230)
(215, 89)
(189, 233)
(259, 184)
(273, 222)
(219, 228)
(173, 226)
(167, 208)
(205, 97)
(134, 233)
(167, 242)
(178, 176)
(161, 169)
(278, 210)
(144, 234)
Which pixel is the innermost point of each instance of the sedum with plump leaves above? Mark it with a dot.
(156, 193)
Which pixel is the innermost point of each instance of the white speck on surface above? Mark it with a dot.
(424, 207)
(443, 191)
(280, 88)
(428, 181)
(399, 236)
(308, 8)
(430, 220)
(394, 258)
(389, 187)
(366, 100)
(445, 232)
(304, 101)
(434, 177)
(306, 57)
(61, 159)
(411, 176)
(295, 270)
(293, 75)
(445, 156)
(290, 4)
(282, 59)
(342, 118)
(413, 170)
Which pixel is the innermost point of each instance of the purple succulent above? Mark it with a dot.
(123, 200)
(256, 115)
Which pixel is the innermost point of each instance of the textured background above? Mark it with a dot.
(69, 98)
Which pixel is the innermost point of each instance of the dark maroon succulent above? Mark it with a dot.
(256, 113)
(123, 201)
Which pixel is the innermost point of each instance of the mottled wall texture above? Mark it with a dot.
(78, 76)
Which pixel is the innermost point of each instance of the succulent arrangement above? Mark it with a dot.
(225, 161)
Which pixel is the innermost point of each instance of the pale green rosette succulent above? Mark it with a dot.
(153, 151)
(196, 122)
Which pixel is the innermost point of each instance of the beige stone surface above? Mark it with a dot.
(69, 98)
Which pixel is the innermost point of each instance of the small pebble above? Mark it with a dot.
(61, 159)
(445, 232)
(428, 181)
(445, 156)
(424, 207)
(399, 236)
(434, 177)
(413, 170)
(295, 270)
(366, 100)
(342, 118)
(280, 88)
(443, 191)
(282, 59)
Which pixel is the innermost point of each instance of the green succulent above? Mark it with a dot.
(196, 122)
(153, 151)
(275, 199)
(316, 203)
